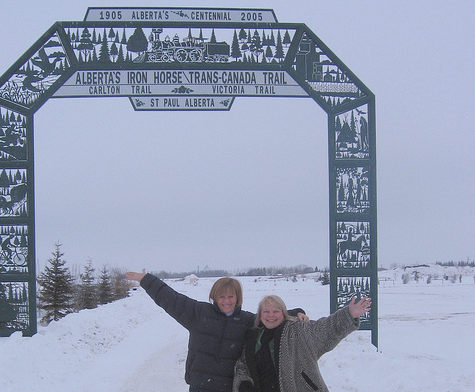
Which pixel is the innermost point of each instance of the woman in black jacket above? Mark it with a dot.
(217, 329)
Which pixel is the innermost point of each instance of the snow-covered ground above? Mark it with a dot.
(426, 340)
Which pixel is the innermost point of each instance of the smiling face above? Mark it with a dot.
(226, 287)
(271, 315)
(226, 301)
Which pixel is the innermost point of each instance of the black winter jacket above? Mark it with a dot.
(216, 340)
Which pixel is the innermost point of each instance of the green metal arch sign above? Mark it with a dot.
(188, 59)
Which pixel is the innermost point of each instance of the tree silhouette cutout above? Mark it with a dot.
(137, 42)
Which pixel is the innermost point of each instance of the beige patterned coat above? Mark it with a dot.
(301, 345)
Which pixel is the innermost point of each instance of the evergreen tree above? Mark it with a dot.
(235, 51)
(85, 44)
(269, 53)
(279, 50)
(104, 51)
(272, 39)
(111, 35)
(256, 45)
(242, 35)
(120, 55)
(114, 52)
(55, 296)
(4, 181)
(105, 287)
(287, 39)
(87, 298)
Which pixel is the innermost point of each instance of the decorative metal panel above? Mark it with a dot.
(13, 192)
(324, 74)
(14, 249)
(353, 241)
(166, 45)
(352, 137)
(37, 74)
(14, 307)
(13, 141)
(349, 287)
(352, 190)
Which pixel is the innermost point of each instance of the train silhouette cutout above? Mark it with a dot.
(190, 49)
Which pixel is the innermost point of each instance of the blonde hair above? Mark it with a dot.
(271, 300)
(224, 284)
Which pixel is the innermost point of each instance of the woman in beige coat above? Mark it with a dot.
(281, 355)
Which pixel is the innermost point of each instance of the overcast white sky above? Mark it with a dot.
(249, 187)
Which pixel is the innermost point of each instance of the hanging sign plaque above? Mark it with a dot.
(223, 15)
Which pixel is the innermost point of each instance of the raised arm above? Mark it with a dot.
(325, 333)
(182, 308)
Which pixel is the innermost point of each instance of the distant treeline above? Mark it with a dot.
(466, 263)
(199, 274)
(270, 271)
(257, 271)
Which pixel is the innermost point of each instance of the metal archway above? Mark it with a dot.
(188, 59)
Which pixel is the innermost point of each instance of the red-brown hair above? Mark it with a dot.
(224, 284)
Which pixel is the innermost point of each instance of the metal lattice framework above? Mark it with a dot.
(188, 59)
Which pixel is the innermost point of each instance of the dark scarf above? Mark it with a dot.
(265, 360)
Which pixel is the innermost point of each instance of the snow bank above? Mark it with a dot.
(425, 335)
